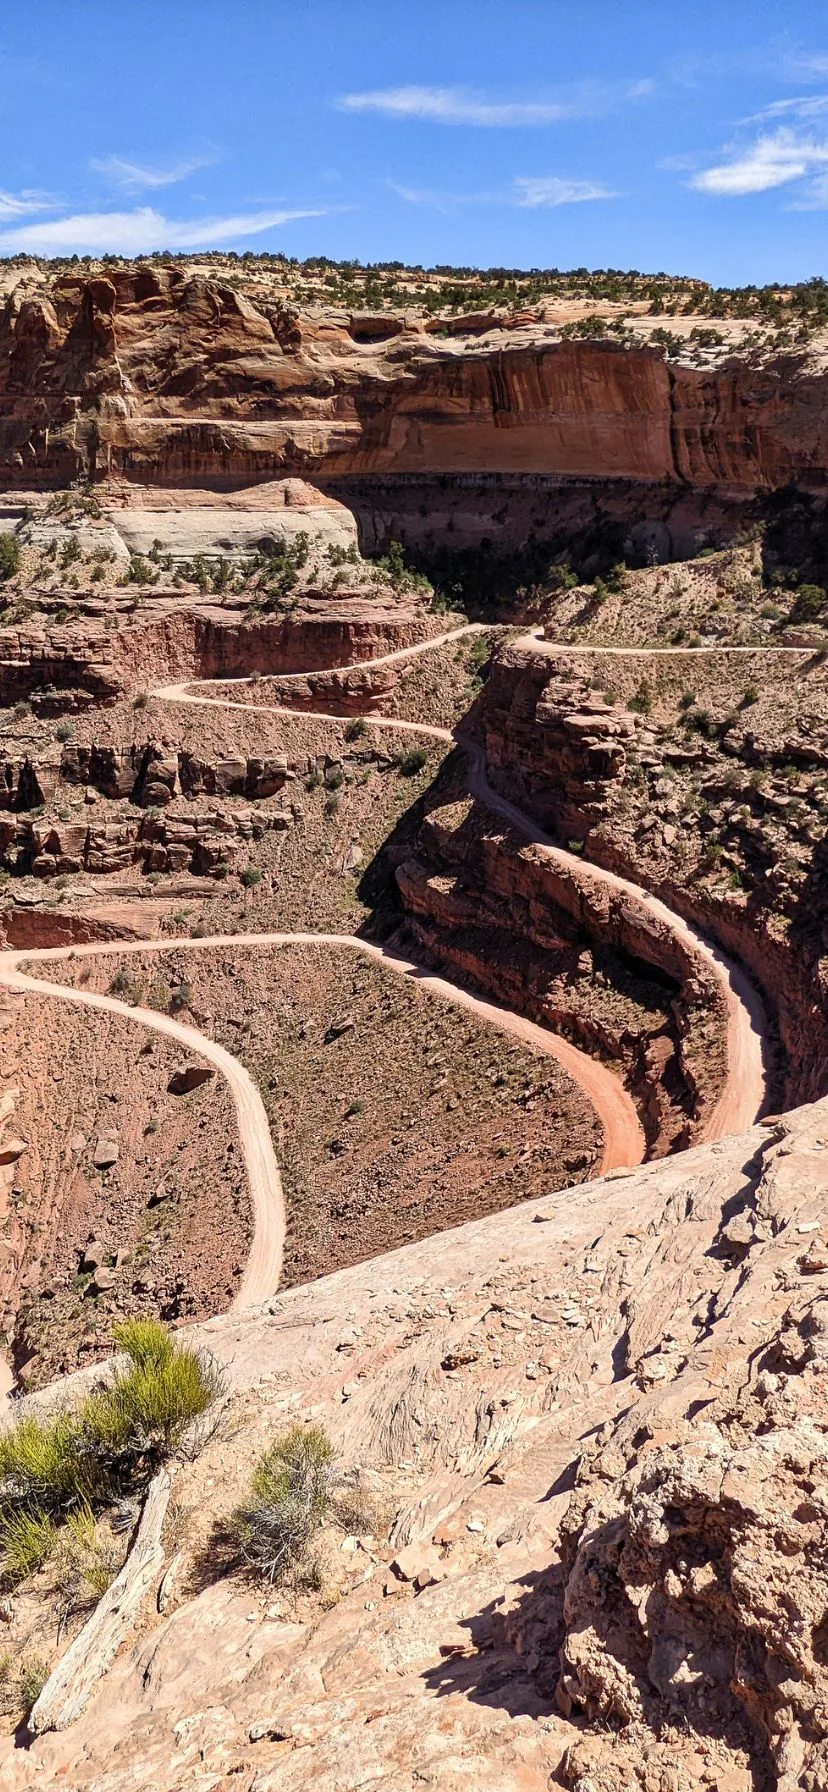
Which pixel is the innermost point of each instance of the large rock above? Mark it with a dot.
(189, 1077)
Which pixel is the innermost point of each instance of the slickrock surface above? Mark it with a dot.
(656, 1345)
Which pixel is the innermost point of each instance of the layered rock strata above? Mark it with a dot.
(162, 376)
(579, 764)
(554, 944)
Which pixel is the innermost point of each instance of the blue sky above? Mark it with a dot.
(692, 139)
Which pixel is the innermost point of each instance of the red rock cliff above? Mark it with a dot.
(157, 375)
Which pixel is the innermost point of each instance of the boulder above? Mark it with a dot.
(106, 1153)
(189, 1077)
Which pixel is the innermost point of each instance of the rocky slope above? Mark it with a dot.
(657, 1345)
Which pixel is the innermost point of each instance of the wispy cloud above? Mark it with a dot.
(137, 177)
(428, 196)
(526, 191)
(804, 66)
(813, 107)
(551, 190)
(24, 205)
(463, 106)
(139, 232)
(772, 161)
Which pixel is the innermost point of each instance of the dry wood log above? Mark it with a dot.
(71, 1682)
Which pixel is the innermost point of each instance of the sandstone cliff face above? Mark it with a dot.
(572, 760)
(561, 947)
(75, 667)
(151, 375)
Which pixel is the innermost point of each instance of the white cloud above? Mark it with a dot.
(795, 108)
(441, 202)
(460, 105)
(805, 68)
(134, 177)
(815, 198)
(525, 191)
(23, 205)
(772, 161)
(139, 232)
(552, 190)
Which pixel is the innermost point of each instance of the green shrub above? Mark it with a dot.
(27, 1540)
(334, 778)
(42, 1465)
(144, 1414)
(116, 1438)
(413, 763)
(64, 732)
(33, 1676)
(250, 876)
(182, 995)
(124, 984)
(84, 1565)
(290, 1497)
(642, 701)
(9, 556)
(140, 700)
(356, 729)
(809, 603)
(144, 1341)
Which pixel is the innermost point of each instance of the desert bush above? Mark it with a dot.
(250, 876)
(809, 603)
(334, 778)
(116, 1438)
(642, 700)
(290, 1498)
(32, 1679)
(356, 729)
(182, 995)
(9, 556)
(412, 763)
(83, 1563)
(140, 700)
(144, 1414)
(27, 1540)
(358, 1507)
(42, 1465)
(64, 732)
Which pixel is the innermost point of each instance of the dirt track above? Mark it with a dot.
(740, 1101)
(624, 1139)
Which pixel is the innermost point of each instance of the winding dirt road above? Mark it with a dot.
(623, 1136)
(740, 1101)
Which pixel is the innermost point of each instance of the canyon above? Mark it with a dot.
(413, 725)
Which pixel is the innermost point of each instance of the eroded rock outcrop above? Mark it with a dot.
(557, 943)
(600, 1338)
(192, 382)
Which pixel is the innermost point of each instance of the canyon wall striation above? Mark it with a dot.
(161, 377)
